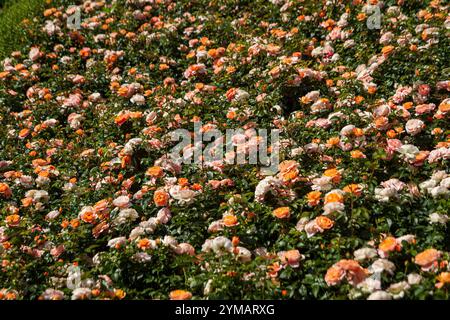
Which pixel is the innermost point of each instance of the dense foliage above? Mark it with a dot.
(92, 208)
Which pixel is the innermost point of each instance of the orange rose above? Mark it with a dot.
(231, 114)
(75, 223)
(359, 99)
(88, 217)
(444, 107)
(391, 134)
(437, 131)
(288, 170)
(144, 244)
(135, 115)
(355, 273)
(24, 133)
(282, 212)
(348, 265)
(372, 89)
(39, 162)
(353, 188)
(273, 269)
(333, 141)
(13, 220)
(334, 275)
(334, 174)
(388, 244)
(289, 175)
(155, 171)
(163, 67)
(324, 222)
(180, 295)
(443, 278)
(334, 197)
(183, 182)
(119, 293)
(381, 122)
(313, 198)
(5, 191)
(6, 245)
(101, 205)
(427, 259)
(357, 154)
(361, 16)
(161, 198)
(85, 52)
(358, 132)
(121, 119)
(11, 296)
(26, 202)
(387, 50)
(230, 220)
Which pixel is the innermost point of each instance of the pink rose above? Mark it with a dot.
(57, 251)
(414, 126)
(424, 89)
(425, 108)
(122, 202)
(34, 54)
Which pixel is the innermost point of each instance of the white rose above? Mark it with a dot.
(414, 278)
(122, 202)
(427, 185)
(170, 241)
(136, 233)
(438, 218)
(116, 241)
(208, 287)
(409, 151)
(369, 285)
(81, 293)
(312, 228)
(221, 244)
(138, 99)
(445, 183)
(380, 295)
(398, 289)
(126, 215)
(333, 207)
(414, 126)
(439, 175)
(381, 265)
(142, 257)
(439, 191)
(244, 255)
(182, 195)
(365, 253)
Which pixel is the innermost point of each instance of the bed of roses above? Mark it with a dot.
(93, 207)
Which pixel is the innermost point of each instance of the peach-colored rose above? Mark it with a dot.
(427, 259)
(324, 223)
(334, 275)
(290, 257)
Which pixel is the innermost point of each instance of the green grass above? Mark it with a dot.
(12, 33)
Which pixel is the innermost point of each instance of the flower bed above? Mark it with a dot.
(92, 206)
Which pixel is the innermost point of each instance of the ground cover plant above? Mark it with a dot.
(92, 206)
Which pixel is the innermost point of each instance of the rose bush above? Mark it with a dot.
(91, 206)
